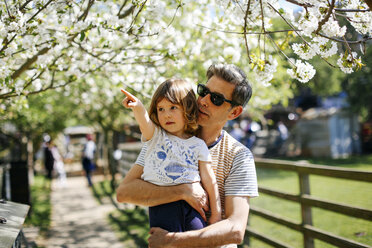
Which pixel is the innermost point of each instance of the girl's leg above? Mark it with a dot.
(168, 216)
(193, 220)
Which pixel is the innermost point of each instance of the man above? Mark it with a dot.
(222, 99)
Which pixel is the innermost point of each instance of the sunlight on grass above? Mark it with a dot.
(275, 231)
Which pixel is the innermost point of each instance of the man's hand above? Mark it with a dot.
(159, 238)
(196, 196)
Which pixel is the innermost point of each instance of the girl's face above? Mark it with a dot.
(171, 117)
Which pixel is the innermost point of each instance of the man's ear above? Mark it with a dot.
(235, 112)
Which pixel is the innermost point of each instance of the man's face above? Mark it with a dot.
(210, 114)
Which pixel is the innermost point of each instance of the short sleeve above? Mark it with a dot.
(204, 154)
(242, 179)
(141, 157)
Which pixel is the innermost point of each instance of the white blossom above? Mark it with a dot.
(348, 62)
(304, 50)
(308, 23)
(331, 28)
(265, 74)
(303, 72)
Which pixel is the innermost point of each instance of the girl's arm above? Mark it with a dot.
(209, 183)
(142, 117)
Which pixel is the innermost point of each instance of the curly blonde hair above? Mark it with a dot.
(177, 91)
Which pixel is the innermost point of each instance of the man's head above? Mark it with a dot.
(236, 76)
(224, 95)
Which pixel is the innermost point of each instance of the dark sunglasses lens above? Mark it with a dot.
(202, 90)
(216, 99)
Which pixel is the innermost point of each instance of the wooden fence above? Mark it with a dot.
(304, 198)
(307, 201)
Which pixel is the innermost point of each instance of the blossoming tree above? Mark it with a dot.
(47, 44)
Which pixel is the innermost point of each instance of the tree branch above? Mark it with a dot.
(352, 10)
(41, 9)
(85, 14)
(326, 18)
(245, 30)
(122, 6)
(6, 42)
(299, 4)
(24, 5)
(280, 50)
(28, 63)
(348, 41)
(127, 12)
(7, 9)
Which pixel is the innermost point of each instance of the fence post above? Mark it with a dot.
(305, 209)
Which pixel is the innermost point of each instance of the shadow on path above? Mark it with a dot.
(130, 221)
(78, 220)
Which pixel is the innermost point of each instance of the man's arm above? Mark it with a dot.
(228, 231)
(137, 191)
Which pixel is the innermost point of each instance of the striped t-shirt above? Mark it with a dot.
(234, 167)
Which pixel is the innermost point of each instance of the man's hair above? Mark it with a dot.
(234, 75)
(177, 91)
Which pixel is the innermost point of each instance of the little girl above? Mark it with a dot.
(173, 155)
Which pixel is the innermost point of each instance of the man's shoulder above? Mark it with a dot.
(231, 144)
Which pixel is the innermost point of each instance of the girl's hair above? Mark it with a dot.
(180, 92)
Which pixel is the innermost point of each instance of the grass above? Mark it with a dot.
(40, 213)
(344, 191)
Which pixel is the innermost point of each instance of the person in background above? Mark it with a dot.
(236, 132)
(88, 158)
(48, 159)
(221, 99)
(59, 165)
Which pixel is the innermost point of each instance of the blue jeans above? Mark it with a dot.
(176, 216)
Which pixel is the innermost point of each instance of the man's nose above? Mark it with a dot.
(205, 100)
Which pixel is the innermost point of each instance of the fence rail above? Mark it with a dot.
(307, 201)
(304, 198)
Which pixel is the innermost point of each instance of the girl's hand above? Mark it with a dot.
(130, 101)
(214, 218)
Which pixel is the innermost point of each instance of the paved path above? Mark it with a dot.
(78, 220)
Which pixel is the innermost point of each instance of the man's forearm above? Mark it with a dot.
(220, 233)
(134, 190)
(143, 193)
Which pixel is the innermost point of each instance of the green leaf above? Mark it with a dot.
(82, 35)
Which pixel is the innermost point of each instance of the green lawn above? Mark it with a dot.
(338, 190)
(40, 212)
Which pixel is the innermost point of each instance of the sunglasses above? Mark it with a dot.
(216, 98)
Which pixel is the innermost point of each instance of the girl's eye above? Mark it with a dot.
(174, 107)
(160, 109)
